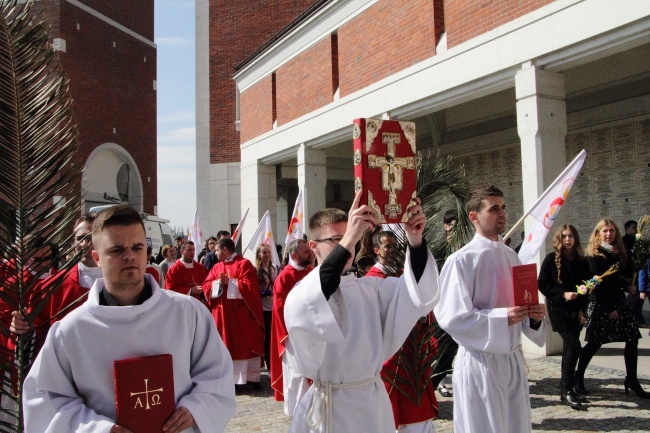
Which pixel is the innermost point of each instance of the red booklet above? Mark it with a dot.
(384, 166)
(144, 392)
(524, 281)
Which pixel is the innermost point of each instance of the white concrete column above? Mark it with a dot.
(204, 194)
(259, 194)
(312, 180)
(541, 124)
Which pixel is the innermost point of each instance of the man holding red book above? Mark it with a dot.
(126, 316)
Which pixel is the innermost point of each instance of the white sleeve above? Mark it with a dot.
(479, 330)
(50, 400)
(537, 336)
(310, 322)
(404, 300)
(211, 400)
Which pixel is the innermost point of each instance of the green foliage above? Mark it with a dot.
(441, 186)
(38, 186)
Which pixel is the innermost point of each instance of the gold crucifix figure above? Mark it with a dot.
(391, 171)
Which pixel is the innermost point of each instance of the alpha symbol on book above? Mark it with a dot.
(151, 396)
(392, 169)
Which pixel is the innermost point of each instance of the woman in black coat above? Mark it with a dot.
(610, 318)
(561, 271)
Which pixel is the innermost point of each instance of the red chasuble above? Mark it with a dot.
(180, 279)
(240, 322)
(384, 166)
(284, 283)
(419, 352)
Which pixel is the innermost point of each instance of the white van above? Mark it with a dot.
(158, 231)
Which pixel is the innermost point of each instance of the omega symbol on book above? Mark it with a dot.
(155, 396)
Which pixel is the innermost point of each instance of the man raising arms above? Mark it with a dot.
(476, 309)
(343, 328)
(70, 387)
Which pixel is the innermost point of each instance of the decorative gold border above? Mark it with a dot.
(373, 204)
(372, 129)
(357, 156)
(356, 131)
(357, 185)
(408, 128)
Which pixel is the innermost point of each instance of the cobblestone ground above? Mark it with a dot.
(609, 410)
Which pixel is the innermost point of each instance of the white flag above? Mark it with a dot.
(237, 233)
(264, 235)
(196, 235)
(547, 208)
(297, 223)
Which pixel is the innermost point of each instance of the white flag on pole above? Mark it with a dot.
(297, 223)
(237, 233)
(547, 208)
(264, 235)
(196, 235)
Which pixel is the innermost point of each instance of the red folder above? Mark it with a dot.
(144, 392)
(524, 281)
(384, 166)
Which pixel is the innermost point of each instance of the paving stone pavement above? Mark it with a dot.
(609, 410)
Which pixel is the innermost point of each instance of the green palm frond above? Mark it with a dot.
(38, 184)
(441, 186)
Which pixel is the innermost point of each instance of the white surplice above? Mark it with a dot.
(342, 343)
(70, 388)
(490, 379)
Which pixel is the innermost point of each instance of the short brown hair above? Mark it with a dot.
(185, 244)
(474, 201)
(226, 243)
(325, 217)
(122, 215)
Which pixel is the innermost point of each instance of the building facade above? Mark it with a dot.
(511, 89)
(107, 52)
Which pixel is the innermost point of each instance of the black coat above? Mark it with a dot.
(611, 292)
(562, 313)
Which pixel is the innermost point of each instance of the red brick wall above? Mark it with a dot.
(256, 107)
(112, 87)
(466, 19)
(136, 15)
(305, 82)
(237, 29)
(386, 38)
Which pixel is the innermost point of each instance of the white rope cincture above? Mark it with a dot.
(325, 391)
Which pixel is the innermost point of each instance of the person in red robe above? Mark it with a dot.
(287, 382)
(233, 293)
(74, 288)
(186, 275)
(414, 403)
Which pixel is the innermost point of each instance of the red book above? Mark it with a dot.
(524, 282)
(384, 166)
(144, 392)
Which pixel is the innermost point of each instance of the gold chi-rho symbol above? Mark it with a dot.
(155, 397)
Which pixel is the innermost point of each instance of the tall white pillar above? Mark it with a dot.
(541, 124)
(312, 180)
(258, 194)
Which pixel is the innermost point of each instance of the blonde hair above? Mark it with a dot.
(263, 275)
(595, 241)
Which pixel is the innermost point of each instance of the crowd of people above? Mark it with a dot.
(344, 353)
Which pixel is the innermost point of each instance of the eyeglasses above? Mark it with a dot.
(335, 239)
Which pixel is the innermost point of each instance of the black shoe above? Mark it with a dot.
(442, 389)
(580, 398)
(635, 386)
(570, 399)
(579, 387)
(254, 385)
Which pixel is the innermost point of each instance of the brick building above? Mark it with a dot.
(512, 89)
(107, 52)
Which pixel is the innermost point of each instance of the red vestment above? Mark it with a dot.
(240, 322)
(281, 288)
(181, 279)
(405, 411)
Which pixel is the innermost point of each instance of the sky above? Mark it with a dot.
(174, 37)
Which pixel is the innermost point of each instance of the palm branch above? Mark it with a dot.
(441, 186)
(38, 139)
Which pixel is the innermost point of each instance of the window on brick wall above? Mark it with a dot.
(335, 65)
(274, 98)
